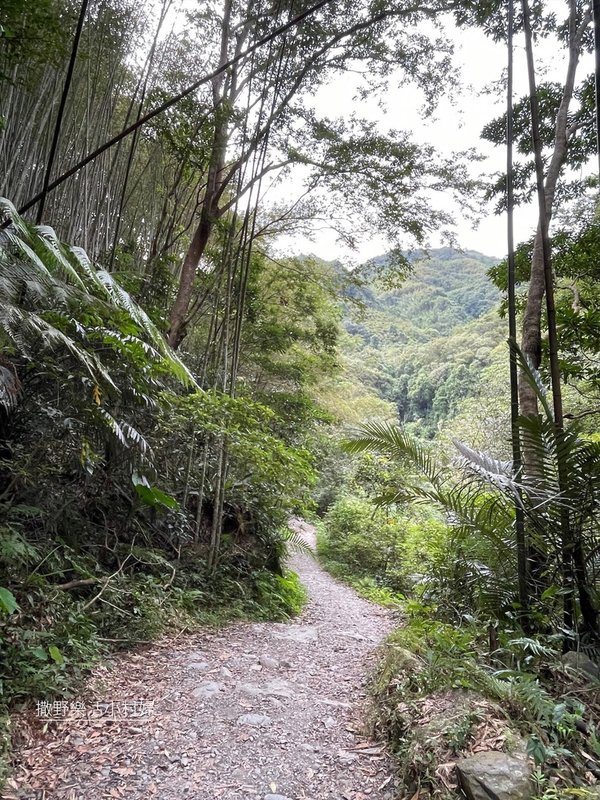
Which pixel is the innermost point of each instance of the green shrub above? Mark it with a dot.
(45, 646)
(382, 595)
(365, 540)
(387, 551)
(447, 654)
(279, 597)
(428, 664)
(426, 545)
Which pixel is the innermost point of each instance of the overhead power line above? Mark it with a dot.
(171, 102)
(61, 108)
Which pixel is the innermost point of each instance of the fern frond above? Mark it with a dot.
(10, 388)
(31, 333)
(123, 300)
(56, 255)
(39, 274)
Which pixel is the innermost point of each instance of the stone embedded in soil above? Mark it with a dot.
(268, 663)
(279, 688)
(209, 689)
(334, 703)
(255, 720)
(297, 633)
(274, 688)
(494, 776)
(358, 637)
(581, 663)
(250, 689)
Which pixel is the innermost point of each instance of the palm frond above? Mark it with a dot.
(296, 543)
(393, 441)
(492, 470)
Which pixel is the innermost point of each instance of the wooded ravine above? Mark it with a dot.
(310, 527)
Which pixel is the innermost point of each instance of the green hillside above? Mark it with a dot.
(424, 345)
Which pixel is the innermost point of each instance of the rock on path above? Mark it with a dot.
(270, 711)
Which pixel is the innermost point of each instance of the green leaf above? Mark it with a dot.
(536, 750)
(8, 601)
(40, 653)
(550, 592)
(152, 496)
(56, 655)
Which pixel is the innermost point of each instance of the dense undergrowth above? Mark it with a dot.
(520, 697)
(49, 646)
(138, 493)
(51, 642)
(459, 675)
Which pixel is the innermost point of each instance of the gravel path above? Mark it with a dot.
(270, 711)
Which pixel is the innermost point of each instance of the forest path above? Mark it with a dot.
(271, 711)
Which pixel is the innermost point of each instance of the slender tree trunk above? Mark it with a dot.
(596, 14)
(573, 562)
(209, 210)
(133, 144)
(520, 537)
(531, 342)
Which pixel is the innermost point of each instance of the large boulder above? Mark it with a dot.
(495, 776)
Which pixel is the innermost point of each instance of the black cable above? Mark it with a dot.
(169, 103)
(41, 197)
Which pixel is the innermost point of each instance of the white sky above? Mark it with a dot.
(456, 126)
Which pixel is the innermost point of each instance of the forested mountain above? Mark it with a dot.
(423, 346)
(445, 288)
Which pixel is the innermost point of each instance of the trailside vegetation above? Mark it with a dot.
(501, 631)
(166, 374)
(173, 387)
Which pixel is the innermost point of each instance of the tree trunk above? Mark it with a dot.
(209, 211)
(523, 577)
(573, 563)
(531, 342)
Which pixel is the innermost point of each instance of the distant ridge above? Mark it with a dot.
(423, 346)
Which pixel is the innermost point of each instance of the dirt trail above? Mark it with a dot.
(270, 711)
